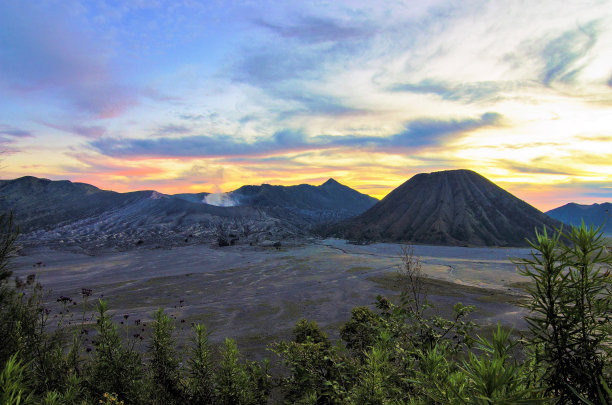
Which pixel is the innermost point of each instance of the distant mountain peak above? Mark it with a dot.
(31, 179)
(330, 182)
(594, 214)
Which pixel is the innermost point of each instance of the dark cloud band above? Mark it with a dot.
(416, 134)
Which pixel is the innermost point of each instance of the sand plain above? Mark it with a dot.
(256, 294)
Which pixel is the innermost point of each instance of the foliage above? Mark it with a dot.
(240, 383)
(200, 379)
(571, 311)
(361, 331)
(164, 362)
(398, 351)
(110, 399)
(14, 388)
(9, 233)
(316, 367)
(114, 367)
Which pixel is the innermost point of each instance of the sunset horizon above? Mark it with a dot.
(549, 202)
(197, 97)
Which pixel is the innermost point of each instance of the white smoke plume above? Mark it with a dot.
(221, 200)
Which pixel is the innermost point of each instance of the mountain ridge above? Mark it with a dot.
(593, 214)
(61, 213)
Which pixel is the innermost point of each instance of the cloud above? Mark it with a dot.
(416, 134)
(313, 30)
(562, 55)
(300, 50)
(420, 133)
(531, 168)
(599, 194)
(156, 95)
(94, 165)
(87, 131)
(9, 135)
(315, 104)
(197, 145)
(202, 173)
(173, 129)
(463, 92)
(13, 132)
(263, 67)
(44, 51)
(199, 117)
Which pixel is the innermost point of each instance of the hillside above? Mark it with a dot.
(326, 202)
(595, 214)
(43, 204)
(62, 213)
(455, 207)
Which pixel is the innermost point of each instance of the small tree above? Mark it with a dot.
(201, 374)
(164, 362)
(571, 310)
(240, 384)
(411, 281)
(114, 368)
(316, 368)
(415, 320)
(9, 233)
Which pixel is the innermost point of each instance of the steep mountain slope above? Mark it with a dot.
(455, 207)
(595, 214)
(326, 202)
(42, 203)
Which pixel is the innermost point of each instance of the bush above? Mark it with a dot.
(164, 362)
(240, 384)
(114, 368)
(571, 311)
(14, 388)
(200, 380)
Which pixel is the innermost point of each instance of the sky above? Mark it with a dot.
(192, 96)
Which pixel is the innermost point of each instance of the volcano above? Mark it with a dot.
(454, 207)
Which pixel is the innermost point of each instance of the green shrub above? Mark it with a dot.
(164, 362)
(361, 331)
(9, 233)
(240, 384)
(571, 311)
(200, 379)
(14, 387)
(114, 367)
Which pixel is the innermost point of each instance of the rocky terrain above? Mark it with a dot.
(81, 217)
(594, 214)
(454, 207)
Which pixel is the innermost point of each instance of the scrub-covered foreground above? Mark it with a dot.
(398, 353)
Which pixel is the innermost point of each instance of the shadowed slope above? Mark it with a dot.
(455, 207)
(594, 214)
(327, 202)
(42, 203)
